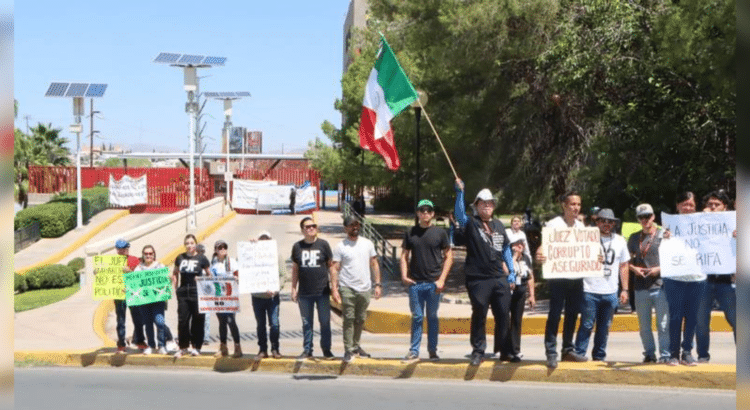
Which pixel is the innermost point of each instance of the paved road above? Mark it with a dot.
(107, 388)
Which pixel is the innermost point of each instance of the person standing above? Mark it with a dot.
(266, 306)
(311, 261)
(187, 267)
(122, 247)
(223, 265)
(354, 262)
(201, 249)
(152, 313)
(600, 294)
(563, 292)
(524, 289)
(487, 248)
(720, 288)
(515, 233)
(426, 260)
(648, 284)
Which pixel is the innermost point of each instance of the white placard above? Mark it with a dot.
(258, 266)
(218, 294)
(128, 191)
(677, 259)
(708, 239)
(245, 193)
(571, 253)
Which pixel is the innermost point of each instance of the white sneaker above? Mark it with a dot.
(179, 354)
(171, 346)
(194, 352)
(162, 350)
(147, 351)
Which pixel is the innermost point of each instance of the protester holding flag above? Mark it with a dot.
(152, 313)
(223, 265)
(187, 267)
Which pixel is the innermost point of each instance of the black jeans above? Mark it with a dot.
(136, 313)
(227, 319)
(567, 293)
(491, 293)
(512, 345)
(121, 312)
(189, 322)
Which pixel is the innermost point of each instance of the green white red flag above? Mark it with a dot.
(388, 92)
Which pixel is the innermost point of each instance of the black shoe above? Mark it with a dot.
(361, 353)
(505, 358)
(434, 356)
(515, 359)
(348, 357)
(261, 354)
(552, 362)
(574, 357)
(649, 359)
(305, 355)
(476, 359)
(328, 355)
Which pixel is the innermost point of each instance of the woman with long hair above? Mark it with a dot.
(152, 313)
(223, 265)
(187, 267)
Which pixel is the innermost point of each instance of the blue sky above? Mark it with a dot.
(287, 54)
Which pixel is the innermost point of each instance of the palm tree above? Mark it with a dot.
(48, 147)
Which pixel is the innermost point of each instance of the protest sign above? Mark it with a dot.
(258, 266)
(218, 294)
(147, 286)
(708, 240)
(128, 191)
(245, 193)
(108, 280)
(572, 253)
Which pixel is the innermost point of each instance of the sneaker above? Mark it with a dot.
(673, 362)
(476, 359)
(703, 360)
(180, 353)
(574, 357)
(147, 351)
(328, 355)
(275, 353)
(505, 358)
(171, 346)
(361, 353)
(161, 350)
(305, 355)
(348, 357)
(688, 360)
(261, 354)
(142, 346)
(552, 362)
(434, 356)
(121, 350)
(663, 360)
(515, 359)
(411, 357)
(649, 359)
(195, 352)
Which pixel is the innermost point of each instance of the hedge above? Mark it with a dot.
(58, 216)
(77, 264)
(19, 283)
(50, 276)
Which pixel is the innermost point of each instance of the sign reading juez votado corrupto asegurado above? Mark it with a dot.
(571, 253)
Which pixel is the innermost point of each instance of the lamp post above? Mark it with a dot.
(418, 116)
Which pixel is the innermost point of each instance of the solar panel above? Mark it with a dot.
(56, 90)
(243, 94)
(190, 59)
(215, 60)
(167, 58)
(96, 90)
(227, 95)
(211, 94)
(77, 90)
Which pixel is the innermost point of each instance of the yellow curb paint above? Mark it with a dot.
(711, 376)
(106, 306)
(75, 244)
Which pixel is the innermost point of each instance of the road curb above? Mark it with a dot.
(708, 376)
(75, 244)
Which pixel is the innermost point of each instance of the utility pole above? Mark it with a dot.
(91, 152)
(27, 118)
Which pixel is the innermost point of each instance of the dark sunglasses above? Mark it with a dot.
(147, 253)
(426, 209)
(644, 217)
(314, 226)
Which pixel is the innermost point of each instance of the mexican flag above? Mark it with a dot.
(388, 92)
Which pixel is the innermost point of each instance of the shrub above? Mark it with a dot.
(55, 218)
(50, 276)
(77, 265)
(19, 283)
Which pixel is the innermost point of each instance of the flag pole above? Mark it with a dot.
(438, 138)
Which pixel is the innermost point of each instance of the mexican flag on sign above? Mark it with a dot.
(388, 92)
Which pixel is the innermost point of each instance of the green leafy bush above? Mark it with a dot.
(77, 265)
(55, 218)
(19, 283)
(50, 276)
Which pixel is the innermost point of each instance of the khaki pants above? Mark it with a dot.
(354, 309)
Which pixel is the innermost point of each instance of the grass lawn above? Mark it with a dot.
(33, 299)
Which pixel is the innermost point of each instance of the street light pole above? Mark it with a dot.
(77, 112)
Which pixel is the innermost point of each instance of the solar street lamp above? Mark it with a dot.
(190, 63)
(78, 91)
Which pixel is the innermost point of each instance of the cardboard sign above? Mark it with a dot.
(147, 286)
(708, 239)
(218, 294)
(572, 253)
(258, 266)
(108, 277)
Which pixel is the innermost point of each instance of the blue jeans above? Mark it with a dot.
(423, 295)
(267, 308)
(683, 298)
(648, 300)
(121, 310)
(724, 293)
(153, 314)
(568, 293)
(306, 310)
(597, 309)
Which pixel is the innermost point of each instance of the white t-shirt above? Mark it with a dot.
(354, 257)
(559, 222)
(220, 269)
(616, 252)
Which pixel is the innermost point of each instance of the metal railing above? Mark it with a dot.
(26, 236)
(389, 263)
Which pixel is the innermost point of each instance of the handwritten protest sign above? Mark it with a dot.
(108, 280)
(708, 244)
(259, 266)
(572, 253)
(218, 294)
(147, 286)
(128, 191)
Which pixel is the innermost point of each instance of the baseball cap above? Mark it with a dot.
(219, 243)
(484, 195)
(643, 209)
(121, 244)
(425, 202)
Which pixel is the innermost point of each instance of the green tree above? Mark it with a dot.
(132, 162)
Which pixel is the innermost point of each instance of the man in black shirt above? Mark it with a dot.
(431, 260)
(311, 260)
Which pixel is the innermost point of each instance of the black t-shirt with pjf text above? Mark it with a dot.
(426, 246)
(312, 260)
(190, 267)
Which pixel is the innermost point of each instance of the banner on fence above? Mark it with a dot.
(147, 286)
(108, 277)
(707, 244)
(258, 266)
(218, 294)
(128, 191)
(245, 193)
(572, 253)
(275, 197)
